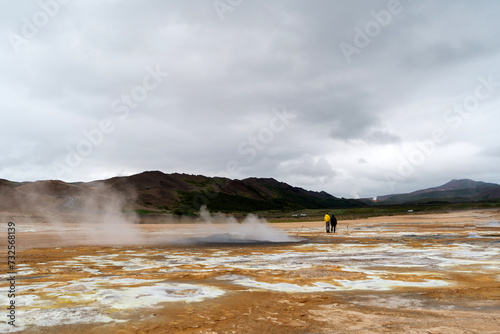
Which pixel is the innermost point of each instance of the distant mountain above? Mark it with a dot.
(177, 193)
(463, 190)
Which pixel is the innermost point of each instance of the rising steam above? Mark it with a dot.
(105, 210)
(98, 214)
(226, 229)
(95, 214)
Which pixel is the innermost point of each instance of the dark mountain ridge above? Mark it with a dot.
(182, 193)
(185, 193)
(155, 191)
(456, 190)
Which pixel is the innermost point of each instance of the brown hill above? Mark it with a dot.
(178, 193)
(183, 193)
(51, 188)
(463, 190)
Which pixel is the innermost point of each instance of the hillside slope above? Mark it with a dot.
(463, 190)
(185, 193)
(177, 193)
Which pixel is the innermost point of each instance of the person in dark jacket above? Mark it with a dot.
(333, 222)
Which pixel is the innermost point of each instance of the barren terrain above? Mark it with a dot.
(436, 273)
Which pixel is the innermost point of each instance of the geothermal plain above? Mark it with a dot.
(434, 273)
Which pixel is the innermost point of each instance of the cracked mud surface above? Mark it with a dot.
(400, 274)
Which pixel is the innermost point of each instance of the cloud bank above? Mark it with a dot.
(96, 89)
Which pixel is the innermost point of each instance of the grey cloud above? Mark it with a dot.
(446, 53)
(226, 78)
(382, 137)
(307, 169)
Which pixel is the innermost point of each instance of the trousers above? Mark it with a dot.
(331, 226)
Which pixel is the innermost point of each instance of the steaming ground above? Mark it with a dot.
(222, 229)
(118, 231)
(411, 274)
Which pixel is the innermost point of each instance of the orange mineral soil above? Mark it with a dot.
(436, 273)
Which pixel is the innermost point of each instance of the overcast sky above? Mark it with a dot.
(356, 98)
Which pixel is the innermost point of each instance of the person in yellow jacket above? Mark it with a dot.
(327, 221)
